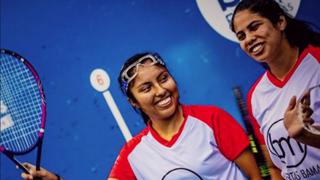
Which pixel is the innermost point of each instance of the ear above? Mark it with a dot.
(133, 103)
(282, 23)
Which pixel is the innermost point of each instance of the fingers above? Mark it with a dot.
(298, 115)
(306, 112)
(290, 117)
(305, 109)
(26, 176)
(33, 172)
(308, 121)
(40, 173)
(28, 166)
(305, 98)
(292, 103)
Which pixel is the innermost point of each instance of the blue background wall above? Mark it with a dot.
(66, 40)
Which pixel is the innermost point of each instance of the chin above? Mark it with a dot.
(259, 58)
(171, 111)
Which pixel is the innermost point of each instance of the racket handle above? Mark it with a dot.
(38, 160)
(39, 150)
(10, 156)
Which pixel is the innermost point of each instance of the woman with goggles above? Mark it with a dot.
(281, 111)
(180, 141)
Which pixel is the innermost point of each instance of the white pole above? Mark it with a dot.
(100, 81)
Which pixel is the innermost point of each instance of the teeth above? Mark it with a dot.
(164, 102)
(256, 48)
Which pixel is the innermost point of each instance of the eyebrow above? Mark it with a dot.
(249, 25)
(253, 22)
(163, 72)
(148, 82)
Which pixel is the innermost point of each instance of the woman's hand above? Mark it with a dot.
(42, 173)
(298, 121)
(298, 115)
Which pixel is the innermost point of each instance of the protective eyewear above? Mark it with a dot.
(132, 71)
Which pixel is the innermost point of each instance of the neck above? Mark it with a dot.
(170, 126)
(281, 65)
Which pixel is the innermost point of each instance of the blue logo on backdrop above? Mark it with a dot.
(218, 13)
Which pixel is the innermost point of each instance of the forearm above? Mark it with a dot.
(275, 173)
(309, 138)
(248, 166)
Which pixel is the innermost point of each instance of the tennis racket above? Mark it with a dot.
(255, 146)
(23, 108)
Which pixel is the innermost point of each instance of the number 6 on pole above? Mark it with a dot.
(100, 81)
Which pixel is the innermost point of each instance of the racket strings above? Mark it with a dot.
(18, 133)
(20, 92)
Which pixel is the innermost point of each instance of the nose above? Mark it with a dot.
(159, 90)
(251, 38)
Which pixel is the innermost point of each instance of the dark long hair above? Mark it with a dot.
(299, 33)
(128, 92)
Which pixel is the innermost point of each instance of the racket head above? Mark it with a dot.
(23, 108)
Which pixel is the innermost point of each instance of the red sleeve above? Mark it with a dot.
(121, 169)
(254, 122)
(230, 136)
(315, 51)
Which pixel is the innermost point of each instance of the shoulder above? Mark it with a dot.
(257, 84)
(201, 110)
(313, 50)
(207, 113)
(122, 168)
(130, 145)
(258, 88)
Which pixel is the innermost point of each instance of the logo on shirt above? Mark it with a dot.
(289, 151)
(181, 173)
(218, 13)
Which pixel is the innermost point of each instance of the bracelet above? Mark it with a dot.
(58, 177)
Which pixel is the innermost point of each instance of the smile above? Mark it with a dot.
(256, 49)
(164, 102)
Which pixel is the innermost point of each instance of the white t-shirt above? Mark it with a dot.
(204, 148)
(268, 100)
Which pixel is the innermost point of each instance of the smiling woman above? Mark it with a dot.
(290, 51)
(184, 141)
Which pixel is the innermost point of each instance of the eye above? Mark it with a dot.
(254, 26)
(241, 36)
(145, 88)
(164, 77)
